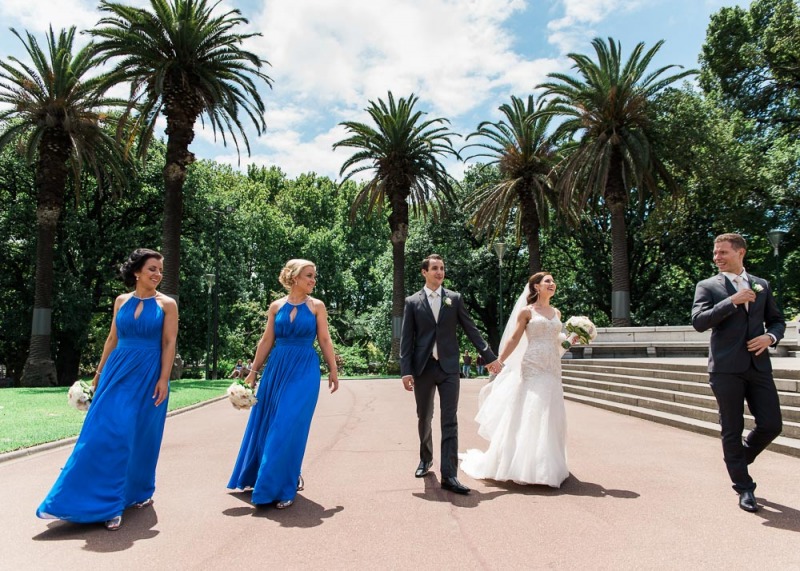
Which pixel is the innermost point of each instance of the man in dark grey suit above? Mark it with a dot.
(429, 360)
(745, 321)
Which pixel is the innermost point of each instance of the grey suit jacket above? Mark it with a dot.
(733, 326)
(420, 331)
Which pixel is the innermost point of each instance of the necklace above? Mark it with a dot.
(301, 302)
(143, 298)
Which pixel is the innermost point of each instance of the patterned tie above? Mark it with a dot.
(738, 282)
(435, 306)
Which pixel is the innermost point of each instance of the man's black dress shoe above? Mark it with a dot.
(423, 468)
(454, 485)
(747, 501)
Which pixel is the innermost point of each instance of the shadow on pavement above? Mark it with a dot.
(572, 486)
(136, 526)
(303, 513)
(434, 493)
(779, 516)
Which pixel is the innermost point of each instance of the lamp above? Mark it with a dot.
(775, 238)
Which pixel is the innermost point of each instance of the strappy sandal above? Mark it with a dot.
(300, 483)
(114, 523)
(284, 504)
(147, 503)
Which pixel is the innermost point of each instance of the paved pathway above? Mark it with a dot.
(641, 496)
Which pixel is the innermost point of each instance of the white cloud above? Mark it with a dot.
(288, 150)
(37, 16)
(574, 29)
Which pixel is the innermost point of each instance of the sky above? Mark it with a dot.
(461, 58)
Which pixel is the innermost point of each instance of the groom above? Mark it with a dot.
(745, 321)
(429, 360)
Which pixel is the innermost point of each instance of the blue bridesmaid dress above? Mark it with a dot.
(274, 442)
(113, 465)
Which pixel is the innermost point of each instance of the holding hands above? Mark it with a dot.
(495, 367)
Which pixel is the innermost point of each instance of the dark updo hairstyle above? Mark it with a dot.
(532, 281)
(135, 262)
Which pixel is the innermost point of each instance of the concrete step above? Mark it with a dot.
(782, 444)
(783, 380)
(667, 404)
(787, 398)
(641, 371)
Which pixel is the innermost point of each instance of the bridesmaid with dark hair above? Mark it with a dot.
(113, 464)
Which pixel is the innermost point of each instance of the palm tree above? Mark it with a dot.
(56, 113)
(525, 155)
(607, 114)
(184, 62)
(404, 153)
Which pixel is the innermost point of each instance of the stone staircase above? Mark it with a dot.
(674, 394)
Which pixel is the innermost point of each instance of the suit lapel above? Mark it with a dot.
(726, 284)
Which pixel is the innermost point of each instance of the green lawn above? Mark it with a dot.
(34, 416)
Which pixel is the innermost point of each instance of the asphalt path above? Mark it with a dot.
(640, 496)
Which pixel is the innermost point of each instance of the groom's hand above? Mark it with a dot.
(408, 382)
(745, 295)
(759, 344)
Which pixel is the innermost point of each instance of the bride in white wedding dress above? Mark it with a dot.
(521, 413)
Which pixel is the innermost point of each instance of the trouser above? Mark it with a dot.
(448, 385)
(731, 391)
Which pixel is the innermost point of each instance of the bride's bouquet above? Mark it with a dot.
(579, 327)
(241, 395)
(80, 395)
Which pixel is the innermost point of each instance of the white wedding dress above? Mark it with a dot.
(522, 413)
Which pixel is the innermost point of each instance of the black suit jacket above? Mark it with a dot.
(420, 331)
(733, 326)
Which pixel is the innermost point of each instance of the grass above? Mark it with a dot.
(33, 416)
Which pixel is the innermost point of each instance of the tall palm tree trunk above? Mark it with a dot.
(398, 222)
(530, 227)
(180, 134)
(51, 176)
(620, 267)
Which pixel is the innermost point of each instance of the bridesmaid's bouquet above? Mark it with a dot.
(80, 395)
(241, 395)
(581, 328)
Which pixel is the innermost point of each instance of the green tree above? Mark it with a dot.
(183, 61)
(404, 151)
(54, 108)
(607, 113)
(521, 147)
(751, 61)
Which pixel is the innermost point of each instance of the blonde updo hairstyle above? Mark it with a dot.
(291, 270)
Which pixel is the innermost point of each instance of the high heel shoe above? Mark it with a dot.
(147, 503)
(282, 505)
(300, 483)
(114, 523)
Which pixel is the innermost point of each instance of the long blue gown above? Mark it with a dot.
(274, 442)
(114, 461)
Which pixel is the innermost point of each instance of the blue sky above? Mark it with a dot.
(462, 58)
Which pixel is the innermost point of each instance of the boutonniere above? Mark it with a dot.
(447, 301)
(758, 288)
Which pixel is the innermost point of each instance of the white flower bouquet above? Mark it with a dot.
(581, 328)
(241, 395)
(80, 395)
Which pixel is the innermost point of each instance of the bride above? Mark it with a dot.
(521, 413)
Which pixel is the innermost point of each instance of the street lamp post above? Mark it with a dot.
(500, 249)
(210, 280)
(775, 238)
